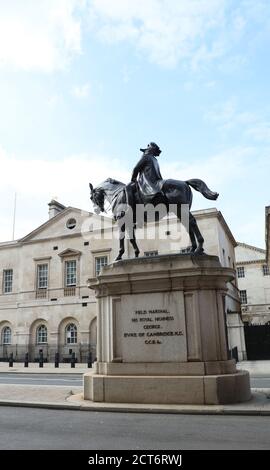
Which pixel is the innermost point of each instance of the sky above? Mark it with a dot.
(84, 84)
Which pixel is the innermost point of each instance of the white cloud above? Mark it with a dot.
(210, 84)
(260, 131)
(45, 34)
(170, 31)
(233, 161)
(81, 91)
(39, 35)
(223, 114)
(54, 100)
(227, 116)
(38, 181)
(166, 31)
(188, 86)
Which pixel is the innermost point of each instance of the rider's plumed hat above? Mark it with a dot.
(151, 145)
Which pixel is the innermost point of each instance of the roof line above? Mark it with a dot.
(252, 247)
(49, 221)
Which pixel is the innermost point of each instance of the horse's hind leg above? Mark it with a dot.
(134, 244)
(122, 230)
(192, 238)
(195, 230)
(189, 226)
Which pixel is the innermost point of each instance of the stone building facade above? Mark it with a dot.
(254, 283)
(254, 287)
(45, 304)
(267, 233)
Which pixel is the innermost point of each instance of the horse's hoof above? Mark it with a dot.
(137, 254)
(199, 251)
(119, 257)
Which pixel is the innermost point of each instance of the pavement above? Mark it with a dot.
(67, 397)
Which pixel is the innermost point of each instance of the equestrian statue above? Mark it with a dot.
(148, 189)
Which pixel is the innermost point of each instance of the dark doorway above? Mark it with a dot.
(257, 342)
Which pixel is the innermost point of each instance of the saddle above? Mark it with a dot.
(133, 194)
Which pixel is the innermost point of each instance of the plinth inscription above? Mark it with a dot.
(153, 328)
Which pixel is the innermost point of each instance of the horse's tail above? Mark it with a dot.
(200, 186)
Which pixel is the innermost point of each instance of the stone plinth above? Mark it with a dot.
(162, 334)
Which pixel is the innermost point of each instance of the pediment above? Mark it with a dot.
(58, 226)
(62, 226)
(69, 252)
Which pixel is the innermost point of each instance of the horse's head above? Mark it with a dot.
(97, 198)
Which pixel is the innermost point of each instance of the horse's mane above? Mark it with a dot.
(113, 181)
(109, 184)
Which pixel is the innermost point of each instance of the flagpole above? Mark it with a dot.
(14, 215)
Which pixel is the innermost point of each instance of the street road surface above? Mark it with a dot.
(28, 428)
(77, 379)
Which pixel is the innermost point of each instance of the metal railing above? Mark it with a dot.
(83, 353)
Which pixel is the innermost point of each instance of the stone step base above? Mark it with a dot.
(195, 390)
(165, 368)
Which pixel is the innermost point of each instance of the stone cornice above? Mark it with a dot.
(162, 273)
(214, 213)
(255, 261)
(101, 250)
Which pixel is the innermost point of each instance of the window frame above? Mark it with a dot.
(97, 273)
(266, 270)
(7, 282)
(243, 296)
(3, 334)
(71, 223)
(66, 283)
(73, 333)
(40, 265)
(38, 341)
(241, 272)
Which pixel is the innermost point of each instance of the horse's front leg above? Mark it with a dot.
(122, 231)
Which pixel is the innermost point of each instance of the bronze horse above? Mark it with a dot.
(123, 198)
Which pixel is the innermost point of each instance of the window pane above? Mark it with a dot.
(42, 334)
(42, 273)
(240, 271)
(266, 271)
(6, 335)
(70, 274)
(243, 296)
(151, 253)
(71, 334)
(100, 262)
(8, 279)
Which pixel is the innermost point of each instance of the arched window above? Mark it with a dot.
(42, 334)
(71, 334)
(6, 335)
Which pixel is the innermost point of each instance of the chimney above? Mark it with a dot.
(55, 208)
